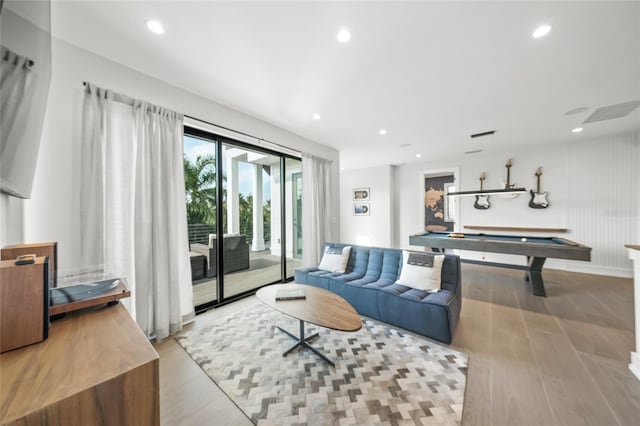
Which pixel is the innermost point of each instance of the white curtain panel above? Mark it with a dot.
(14, 75)
(96, 131)
(318, 208)
(133, 213)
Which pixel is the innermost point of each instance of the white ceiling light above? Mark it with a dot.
(316, 116)
(155, 26)
(382, 132)
(344, 35)
(577, 130)
(541, 31)
(418, 155)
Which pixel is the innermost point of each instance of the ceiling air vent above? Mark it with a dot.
(612, 111)
(478, 135)
(578, 110)
(475, 151)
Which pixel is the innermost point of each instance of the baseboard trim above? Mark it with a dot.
(560, 264)
(587, 268)
(634, 366)
(597, 270)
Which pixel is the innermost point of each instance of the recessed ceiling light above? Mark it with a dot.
(155, 26)
(344, 35)
(382, 132)
(418, 155)
(316, 116)
(577, 130)
(541, 31)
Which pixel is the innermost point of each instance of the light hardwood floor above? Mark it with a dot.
(560, 360)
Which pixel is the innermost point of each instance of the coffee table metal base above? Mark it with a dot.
(304, 342)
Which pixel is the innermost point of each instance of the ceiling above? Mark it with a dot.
(429, 73)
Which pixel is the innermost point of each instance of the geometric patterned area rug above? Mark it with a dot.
(383, 376)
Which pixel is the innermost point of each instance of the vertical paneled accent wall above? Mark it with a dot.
(594, 192)
(602, 211)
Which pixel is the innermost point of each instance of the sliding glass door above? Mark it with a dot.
(252, 244)
(293, 209)
(200, 195)
(258, 198)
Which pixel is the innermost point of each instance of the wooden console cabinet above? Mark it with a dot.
(24, 303)
(96, 368)
(49, 250)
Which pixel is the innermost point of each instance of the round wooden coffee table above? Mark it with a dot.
(320, 307)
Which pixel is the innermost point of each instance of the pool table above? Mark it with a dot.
(537, 250)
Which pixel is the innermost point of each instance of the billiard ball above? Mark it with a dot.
(524, 240)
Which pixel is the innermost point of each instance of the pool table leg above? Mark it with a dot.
(534, 275)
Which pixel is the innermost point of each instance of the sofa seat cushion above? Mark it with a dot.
(363, 299)
(349, 277)
(380, 283)
(441, 297)
(318, 278)
(402, 290)
(408, 310)
(360, 282)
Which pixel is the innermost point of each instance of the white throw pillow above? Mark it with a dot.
(335, 259)
(421, 271)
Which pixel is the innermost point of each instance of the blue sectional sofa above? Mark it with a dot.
(369, 285)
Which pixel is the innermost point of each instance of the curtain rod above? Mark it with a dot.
(118, 97)
(130, 101)
(242, 133)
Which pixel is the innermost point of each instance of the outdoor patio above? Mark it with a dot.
(263, 268)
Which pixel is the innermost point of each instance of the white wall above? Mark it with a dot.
(375, 229)
(593, 190)
(52, 212)
(11, 220)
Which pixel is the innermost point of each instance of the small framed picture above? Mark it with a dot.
(361, 194)
(361, 209)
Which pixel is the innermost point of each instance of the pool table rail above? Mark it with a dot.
(558, 248)
(536, 249)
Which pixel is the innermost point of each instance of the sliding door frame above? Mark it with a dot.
(219, 140)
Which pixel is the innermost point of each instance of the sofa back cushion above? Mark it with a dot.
(358, 260)
(451, 277)
(391, 261)
(374, 265)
